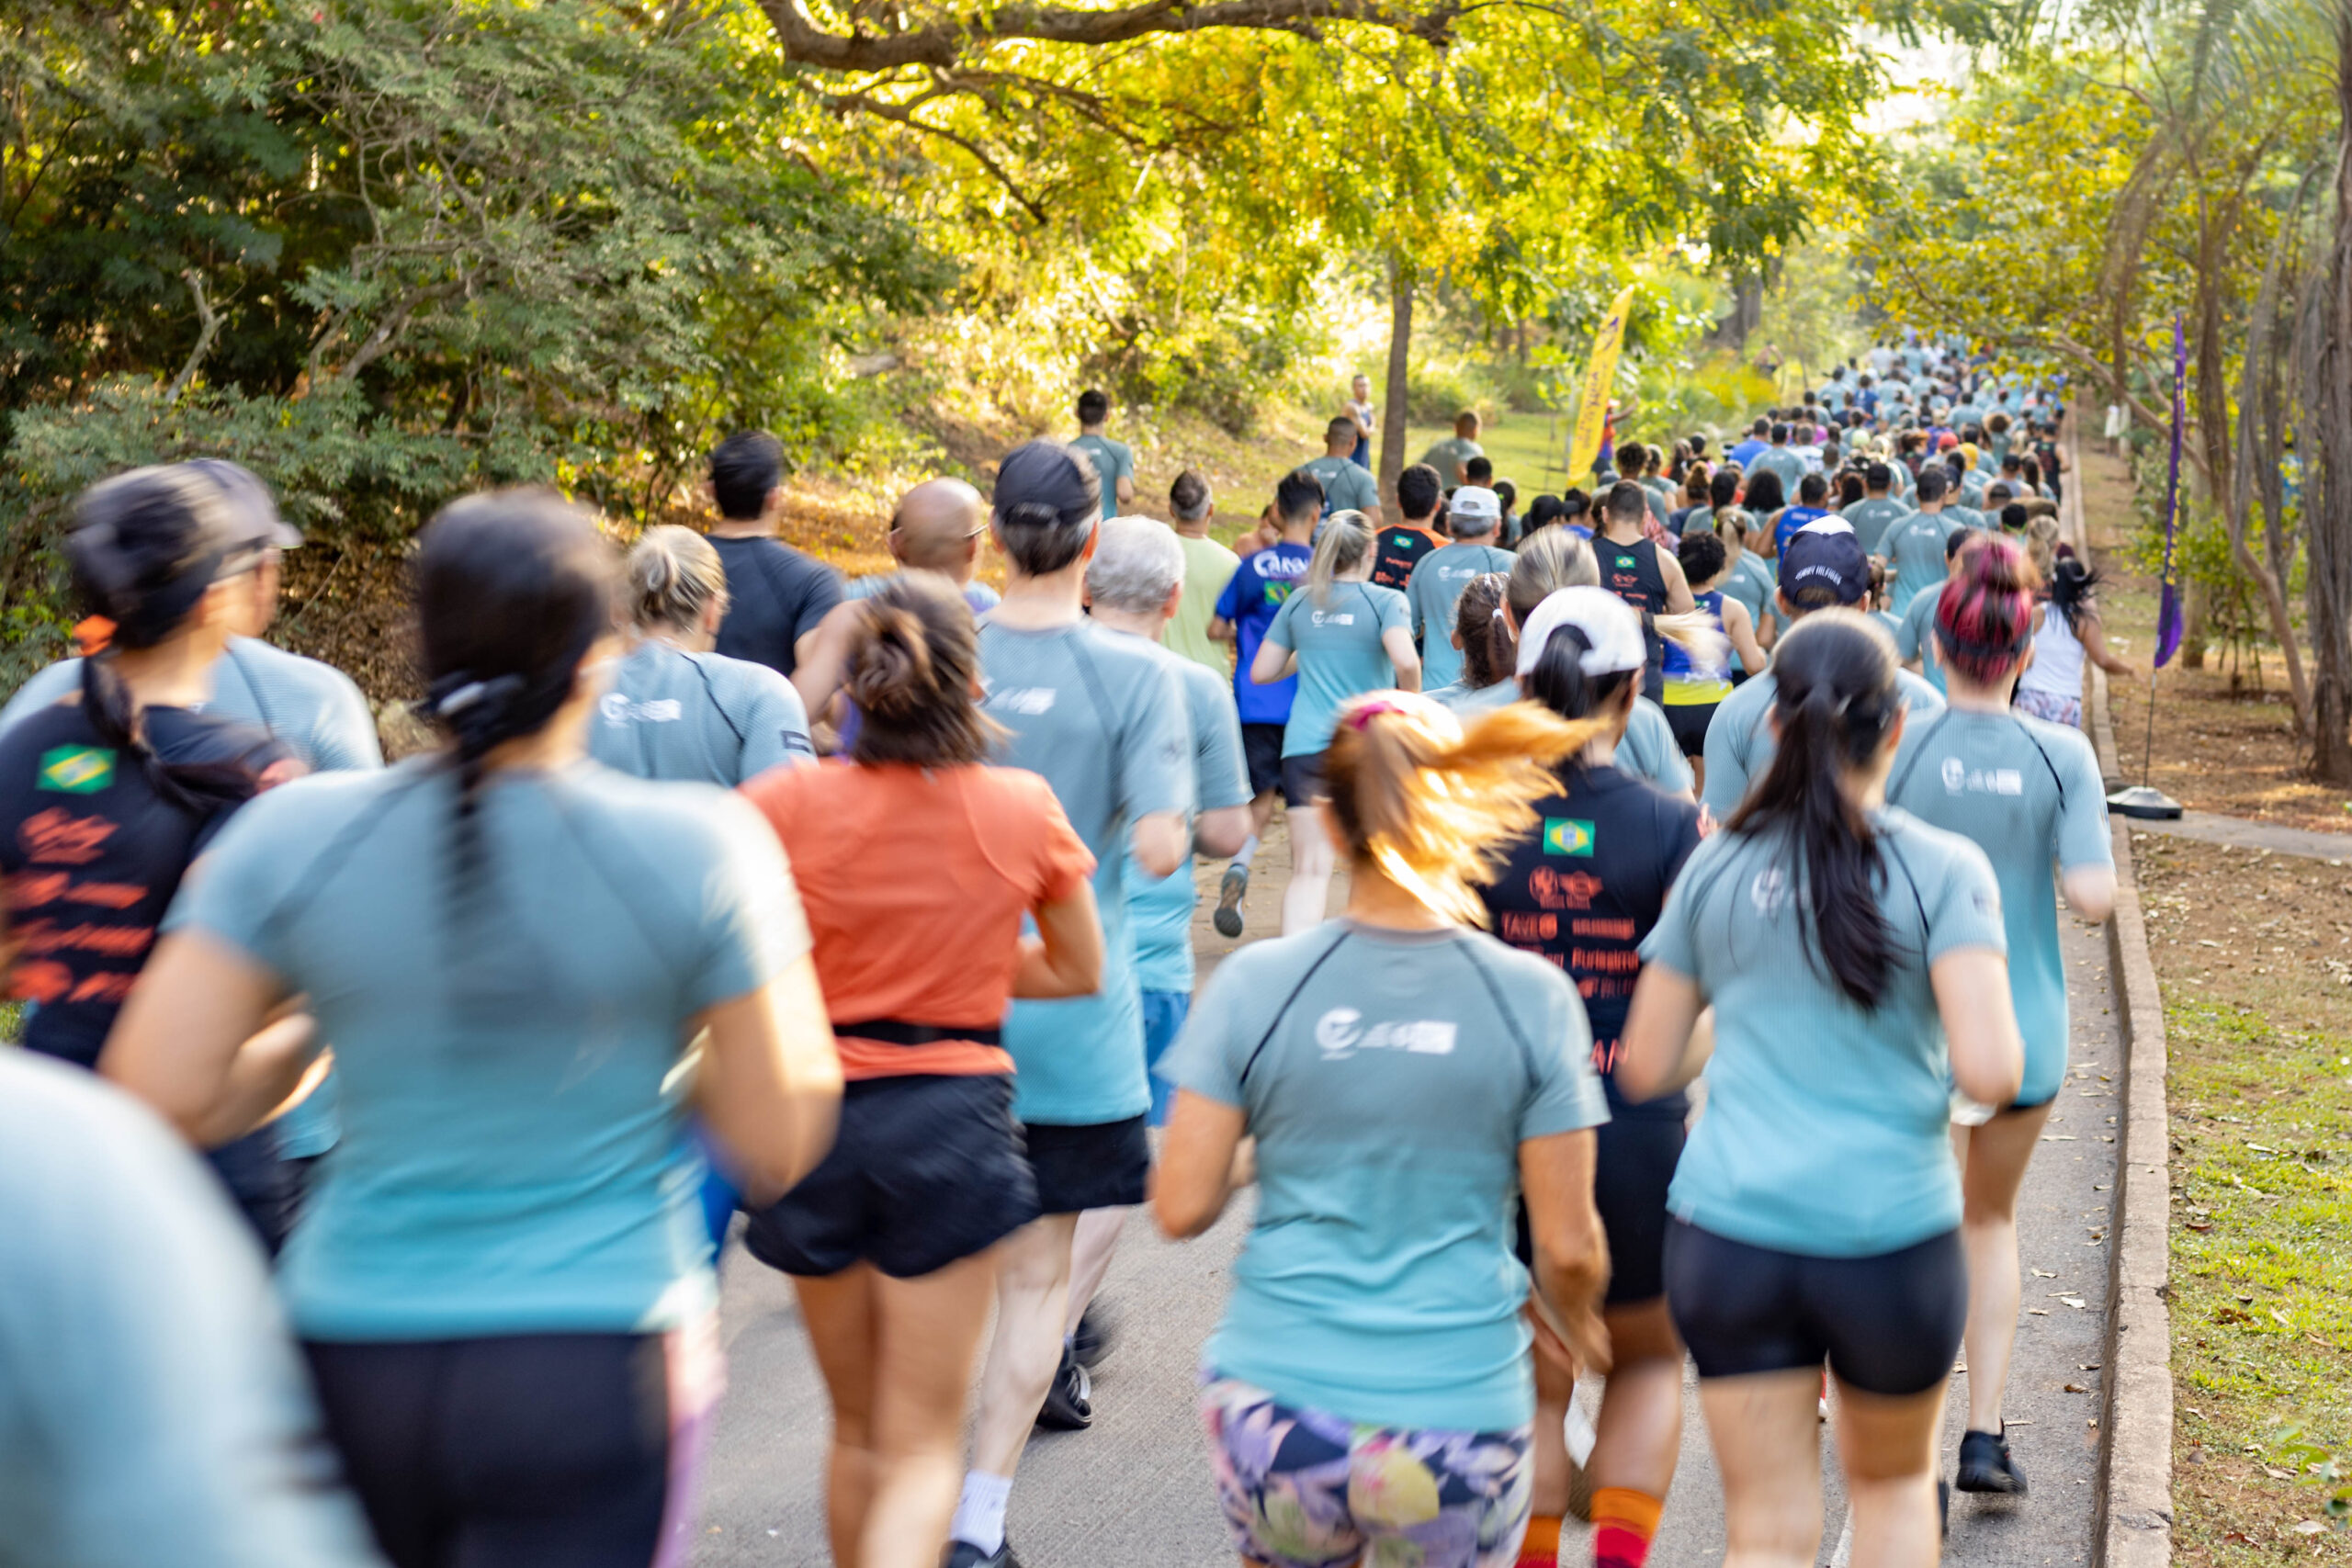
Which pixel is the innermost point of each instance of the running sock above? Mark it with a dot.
(979, 1513)
(1541, 1546)
(1623, 1524)
(1247, 852)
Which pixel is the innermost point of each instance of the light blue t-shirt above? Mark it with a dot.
(1739, 737)
(151, 1407)
(978, 596)
(2024, 792)
(1783, 461)
(1159, 910)
(1915, 638)
(674, 715)
(1827, 1129)
(1389, 1077)
(1915, 548)
(1871, 519)
(512, 1158)
(1434, 590)
(314, 708)
(1340, 655)
(1346, 487)
(1113, 461)
(1753, 580)
(1102, 717)
(1648, 750)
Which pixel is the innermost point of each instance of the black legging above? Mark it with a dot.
(544, 1450)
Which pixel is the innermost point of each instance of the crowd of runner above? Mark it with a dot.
(1697, 993)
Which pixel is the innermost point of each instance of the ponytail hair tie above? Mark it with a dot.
(1360, 719)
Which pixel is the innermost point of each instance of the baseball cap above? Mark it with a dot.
(1476, 502)
(1046, 473)
(1613, 633)
(254, 522)
(1826, 554)
(146, 544)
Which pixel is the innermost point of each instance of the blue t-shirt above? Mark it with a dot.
(1434, 590)
(674, 715)
(1791, 519)
(1389, 1077)
(1340, 655)
(1252, 597)
(1159, 910)
(1102, 717)
(1827, 1129)
(1113, 461)
(1739, 737)
(512, 1158)
(2024, 792)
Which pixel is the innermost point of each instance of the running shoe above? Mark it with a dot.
(1092, 1340)
(964, 1554)
(1069, 1406)
(1986, 1464)
(1229, 892)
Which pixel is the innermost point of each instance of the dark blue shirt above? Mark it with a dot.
(1251, 599)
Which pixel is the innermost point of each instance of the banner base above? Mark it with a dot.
(2143, 802)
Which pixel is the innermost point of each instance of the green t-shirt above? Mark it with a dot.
(1915, 548)
(1827, 1129)
(2024, 792)
(1448, 456)
(1113, 461)
(513, 1157)
(1340, 655)
(1102, 717)
(672, 714)
(1389, 1078)
(1346, 487)
(1208, 567)
(1739, 737)
(1433, 591)
(1871, 518)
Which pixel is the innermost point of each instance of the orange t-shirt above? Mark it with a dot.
(915, 881)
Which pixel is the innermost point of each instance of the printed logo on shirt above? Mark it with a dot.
(75, 770)
(1333, 617)
(1769, 891)
(1567, 836)
(1341, 1034)
(1962, 779)
(619, 711)
(1549, 888)
(1029, 700)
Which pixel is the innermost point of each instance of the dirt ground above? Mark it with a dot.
(2214, 749)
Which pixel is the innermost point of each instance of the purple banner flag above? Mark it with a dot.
(2168, 616)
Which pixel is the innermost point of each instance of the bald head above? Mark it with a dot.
(937, 527)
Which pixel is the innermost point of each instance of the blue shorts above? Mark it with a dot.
(1164, 1013)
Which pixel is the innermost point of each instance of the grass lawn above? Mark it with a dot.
(1528, 450)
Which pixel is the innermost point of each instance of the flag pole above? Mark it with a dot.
(2144, 799)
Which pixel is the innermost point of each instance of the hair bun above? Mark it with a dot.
(893, 675)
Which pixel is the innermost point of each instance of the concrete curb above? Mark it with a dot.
(2134, 1525)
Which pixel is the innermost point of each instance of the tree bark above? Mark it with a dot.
(1400, 353)
(2255, 475)
(2327, 490)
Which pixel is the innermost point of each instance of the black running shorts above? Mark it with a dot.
(1688, 721)
(1633, 1164)
(1303, 779)
(1889, 1323)
(1262, 748)
(1106, 1165)
(923, 1172)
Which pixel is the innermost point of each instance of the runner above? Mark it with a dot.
(1481, 629)
(676, 710)
(1348, 486)
(1825, 568)
(1401, 547)
(1816, 1208)
(1750, 578)
(1104, 719)
(1344, 637)
(2027, 794)
(1361, 411)
(1915, 546)
(1636, 569)
(1438, 579)
(1208, 567)
(1402, 1075)
(1581, 892)
(1114, 461)
(1694, 684)
(1914, 635)
(1244, 611)
(776, 596)
(501, 1254)
(1446, 457)
(108, 796)
(2066, 631)
(889, 1241)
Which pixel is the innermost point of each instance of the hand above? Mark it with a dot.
(1575, 1338)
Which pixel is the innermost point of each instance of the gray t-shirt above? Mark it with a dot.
(1159, 911)
(675, 714)
(151, 1407)
(1346, 487)
(1433, 591)
(978, 596)
(1871, 517)
(1113, 461)
(1102, 717)
(314, 708)
(1739, 737)
(1915, 548)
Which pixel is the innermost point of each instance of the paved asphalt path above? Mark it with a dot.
(1133, 1492)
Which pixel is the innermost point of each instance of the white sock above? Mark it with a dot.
(979, 1513)
(1248, 853)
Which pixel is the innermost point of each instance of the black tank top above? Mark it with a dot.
(1631, 572)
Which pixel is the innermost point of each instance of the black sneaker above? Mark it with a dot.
(1227, 919)
(1985, 1465)
(1068, 1403)
(1092, 1340)
(964, 1554)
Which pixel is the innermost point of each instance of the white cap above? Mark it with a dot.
(1475, 501)
(1612, 632)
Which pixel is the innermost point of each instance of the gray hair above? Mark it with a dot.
(1137, 565)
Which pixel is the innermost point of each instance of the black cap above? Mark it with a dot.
(1046, 473)
(1826, 554)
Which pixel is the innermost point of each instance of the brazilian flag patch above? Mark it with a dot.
(1566, 836)
(1404, 541)
(76, 769)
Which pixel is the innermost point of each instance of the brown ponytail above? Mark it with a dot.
(913, 655)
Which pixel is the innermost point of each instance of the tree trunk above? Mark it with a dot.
(2327, 490)
(2255, 472)
(1400, 358)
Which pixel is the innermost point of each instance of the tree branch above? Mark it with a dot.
(207, 328)
(940, 44)
(905, 117)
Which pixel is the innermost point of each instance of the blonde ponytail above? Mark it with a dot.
(673, 574)
(1347, 539)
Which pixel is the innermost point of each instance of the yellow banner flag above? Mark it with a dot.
(1599, 374)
